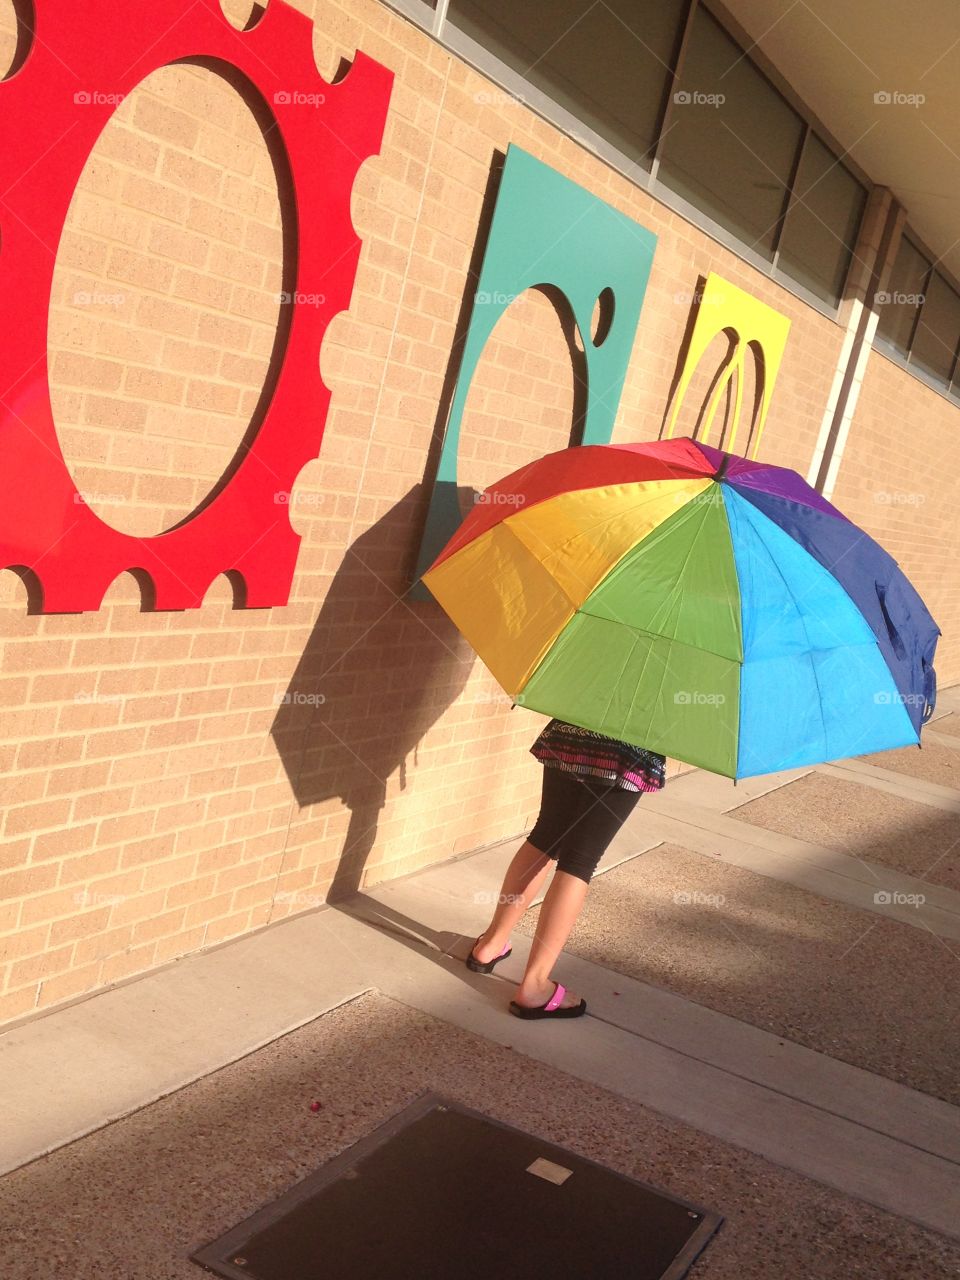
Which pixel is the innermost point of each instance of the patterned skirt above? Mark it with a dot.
(588, 754)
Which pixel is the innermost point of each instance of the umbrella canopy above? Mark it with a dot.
(691, 602)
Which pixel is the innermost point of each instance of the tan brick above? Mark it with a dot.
(171, 733)
(184, 247)
(191, 357)
(35, 817)
(207, 909)
(216, 221)
(148, 849)
(172, 817)
(172, 870)
(14, 855)
(37, 967)
(196, 890)
(107, 799)
(72, 368)
(193, 175)
(165, 924)
(167, 316)
(202, 288)
(100, 946)
(25, 942)
(135, 768)
(217, 857)
(179, 945)
(66, 985)
(221, 331)
(81, 870)
(214, 397)
(71, 839)
(235, 924)
(156, 197)
(23, 788)
(51, 688)
(121, 829)
(164, 648)
(14, 1004)
(138, 907)
(122, 964)
(114, 411)
(98, 652)
(82, 925)
(117, 742)
(162, 121)
(47, 753)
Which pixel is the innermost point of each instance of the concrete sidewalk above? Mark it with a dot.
(843, 1127)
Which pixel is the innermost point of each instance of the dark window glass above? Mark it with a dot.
(731, 140)
(898, 304)
(608, 63)
(938, 332)
(821, 227)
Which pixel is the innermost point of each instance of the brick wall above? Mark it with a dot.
(159, 796)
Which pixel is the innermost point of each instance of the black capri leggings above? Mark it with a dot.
(578, 819)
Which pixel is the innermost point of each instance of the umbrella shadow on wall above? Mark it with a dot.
(377, 673)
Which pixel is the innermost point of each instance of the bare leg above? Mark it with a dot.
(521, 885)
(558, 914)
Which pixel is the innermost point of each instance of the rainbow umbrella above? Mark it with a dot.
(691, 602)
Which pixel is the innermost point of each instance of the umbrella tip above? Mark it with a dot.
(721, 470)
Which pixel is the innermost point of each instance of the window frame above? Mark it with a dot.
(884, 347)
(437, 24)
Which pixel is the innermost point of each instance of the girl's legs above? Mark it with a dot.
(521, 885)
(588, 815)
(580, 819)
(558, 914)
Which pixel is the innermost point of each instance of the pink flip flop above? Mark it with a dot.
(488, 966)
(552, 1008)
